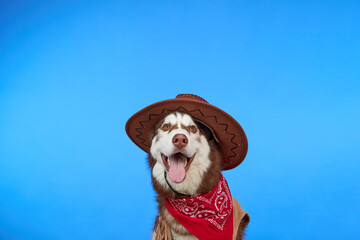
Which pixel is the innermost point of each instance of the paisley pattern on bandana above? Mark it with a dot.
(215, 207)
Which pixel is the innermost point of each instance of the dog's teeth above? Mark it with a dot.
(168, 161)
(185, 161)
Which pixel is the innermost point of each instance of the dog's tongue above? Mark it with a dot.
(177, 167)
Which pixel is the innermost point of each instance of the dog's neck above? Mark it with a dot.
(172, 189)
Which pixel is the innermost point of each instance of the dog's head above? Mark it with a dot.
(184, 154)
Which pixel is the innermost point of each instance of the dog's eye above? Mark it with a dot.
(166, 127)
(192, 129)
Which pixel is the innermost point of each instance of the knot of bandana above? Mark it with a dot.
(208, 216)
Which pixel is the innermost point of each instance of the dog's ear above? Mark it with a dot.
(207, 131)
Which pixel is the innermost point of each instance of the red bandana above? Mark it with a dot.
(208, 216)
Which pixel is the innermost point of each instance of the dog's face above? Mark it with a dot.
(180, 147)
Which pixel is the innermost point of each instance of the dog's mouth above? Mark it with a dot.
(177, 165)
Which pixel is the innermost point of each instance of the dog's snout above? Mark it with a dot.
(180, 140)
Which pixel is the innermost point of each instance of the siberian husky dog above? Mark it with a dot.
(185, 161)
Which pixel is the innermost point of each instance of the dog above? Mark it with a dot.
(185, 161)
(189, 143)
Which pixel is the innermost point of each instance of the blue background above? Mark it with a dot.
(73, 73)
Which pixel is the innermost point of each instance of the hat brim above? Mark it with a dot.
(229, 133)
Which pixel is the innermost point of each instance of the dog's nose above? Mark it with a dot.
(180, 140)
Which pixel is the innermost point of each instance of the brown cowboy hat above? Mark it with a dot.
(227, 131)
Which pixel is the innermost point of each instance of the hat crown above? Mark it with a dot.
(191, 96)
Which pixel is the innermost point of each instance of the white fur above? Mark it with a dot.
(197, 144)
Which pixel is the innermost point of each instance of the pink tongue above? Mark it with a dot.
(177, 168)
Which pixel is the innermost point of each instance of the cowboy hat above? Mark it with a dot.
(226, 130)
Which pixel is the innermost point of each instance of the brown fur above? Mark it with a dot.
(243, 224)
